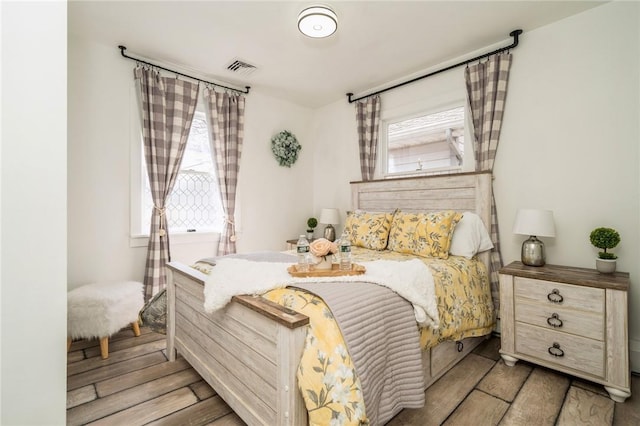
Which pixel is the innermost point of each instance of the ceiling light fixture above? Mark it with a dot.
(317, 21)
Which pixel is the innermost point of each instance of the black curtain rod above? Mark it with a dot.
(515, 34)
(123, 48)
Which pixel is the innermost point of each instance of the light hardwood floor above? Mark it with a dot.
(136, 385)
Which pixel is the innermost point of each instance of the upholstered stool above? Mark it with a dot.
(101, 309)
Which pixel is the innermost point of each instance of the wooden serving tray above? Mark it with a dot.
(335, 271)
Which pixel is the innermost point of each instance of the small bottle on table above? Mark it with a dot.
(345, 252)
(302, 249)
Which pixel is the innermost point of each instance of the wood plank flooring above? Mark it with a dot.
(136, 385)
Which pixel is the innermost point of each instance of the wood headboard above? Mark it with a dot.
(460, 192)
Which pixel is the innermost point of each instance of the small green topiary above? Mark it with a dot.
(312, 222)
(605, 238)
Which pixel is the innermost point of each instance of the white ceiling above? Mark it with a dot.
(376, 42)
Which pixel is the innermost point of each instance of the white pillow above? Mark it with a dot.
(470, 237)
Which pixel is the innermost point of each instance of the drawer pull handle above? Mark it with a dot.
(459, 346)
(554, 321)
(556, 351)
(555, 296)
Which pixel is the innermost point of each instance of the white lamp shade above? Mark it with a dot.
(330, 216)
(317, 21)
(534, 222)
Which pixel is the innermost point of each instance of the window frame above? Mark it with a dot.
(418, 110)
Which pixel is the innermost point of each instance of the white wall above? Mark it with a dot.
(335, 157)
(273, 201)
(33, 212)
(579, 158)
(569, 140)
(98, 166)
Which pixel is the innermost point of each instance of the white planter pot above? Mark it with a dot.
(323, 263)
(606, 266)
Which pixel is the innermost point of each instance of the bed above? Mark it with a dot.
(250, 351)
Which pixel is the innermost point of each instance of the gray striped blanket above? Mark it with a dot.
(382, 337)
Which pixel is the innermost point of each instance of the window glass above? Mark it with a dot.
(195, 201)
(426, 143)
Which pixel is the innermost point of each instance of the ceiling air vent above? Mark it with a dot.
(241, 67)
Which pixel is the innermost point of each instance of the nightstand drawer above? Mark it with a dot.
(578, 353)
(565, 295)
(581, 323)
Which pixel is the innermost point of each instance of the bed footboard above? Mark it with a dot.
(248, 352)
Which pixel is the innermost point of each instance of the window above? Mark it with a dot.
(194, 204)
(425, 143)
(195, 201)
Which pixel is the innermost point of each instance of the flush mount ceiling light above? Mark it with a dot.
(317, 21)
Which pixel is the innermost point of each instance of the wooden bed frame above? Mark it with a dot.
(249, 351)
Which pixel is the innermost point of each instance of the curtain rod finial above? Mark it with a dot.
(515, 34)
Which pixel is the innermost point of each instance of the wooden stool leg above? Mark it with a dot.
(104, 347)
(136, 328)
(68, 343)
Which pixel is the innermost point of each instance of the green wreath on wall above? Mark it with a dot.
(285, 148)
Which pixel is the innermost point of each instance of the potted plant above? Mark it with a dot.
(312, 222)
(605, 238)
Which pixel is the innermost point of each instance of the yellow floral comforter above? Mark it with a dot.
(326, 375)
(462, 287)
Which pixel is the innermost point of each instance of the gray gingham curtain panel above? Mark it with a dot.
(167, 106)
(487, 90)
(225, 119)
(368, 120)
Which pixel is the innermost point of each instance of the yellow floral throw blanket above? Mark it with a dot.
(326, 375)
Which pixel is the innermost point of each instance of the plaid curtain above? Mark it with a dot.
(167, 106)
(487, 90)
(368, 119)
(225, 119)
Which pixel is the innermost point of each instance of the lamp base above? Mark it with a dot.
(330, 233)
(532, 253)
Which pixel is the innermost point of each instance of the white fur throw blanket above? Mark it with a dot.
(410, 279)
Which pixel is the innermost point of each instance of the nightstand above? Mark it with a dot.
(573, 320)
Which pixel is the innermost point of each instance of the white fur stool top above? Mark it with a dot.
(101, 309)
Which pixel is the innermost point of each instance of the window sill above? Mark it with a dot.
(424, 172)
(178, 238)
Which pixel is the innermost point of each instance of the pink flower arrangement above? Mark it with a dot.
(322, 247)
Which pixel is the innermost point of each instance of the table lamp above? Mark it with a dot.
(535, 223)
(330, 217)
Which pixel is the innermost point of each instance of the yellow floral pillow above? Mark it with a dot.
(423, 234)
(368, 230)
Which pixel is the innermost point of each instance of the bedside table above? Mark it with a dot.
(573, 320)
